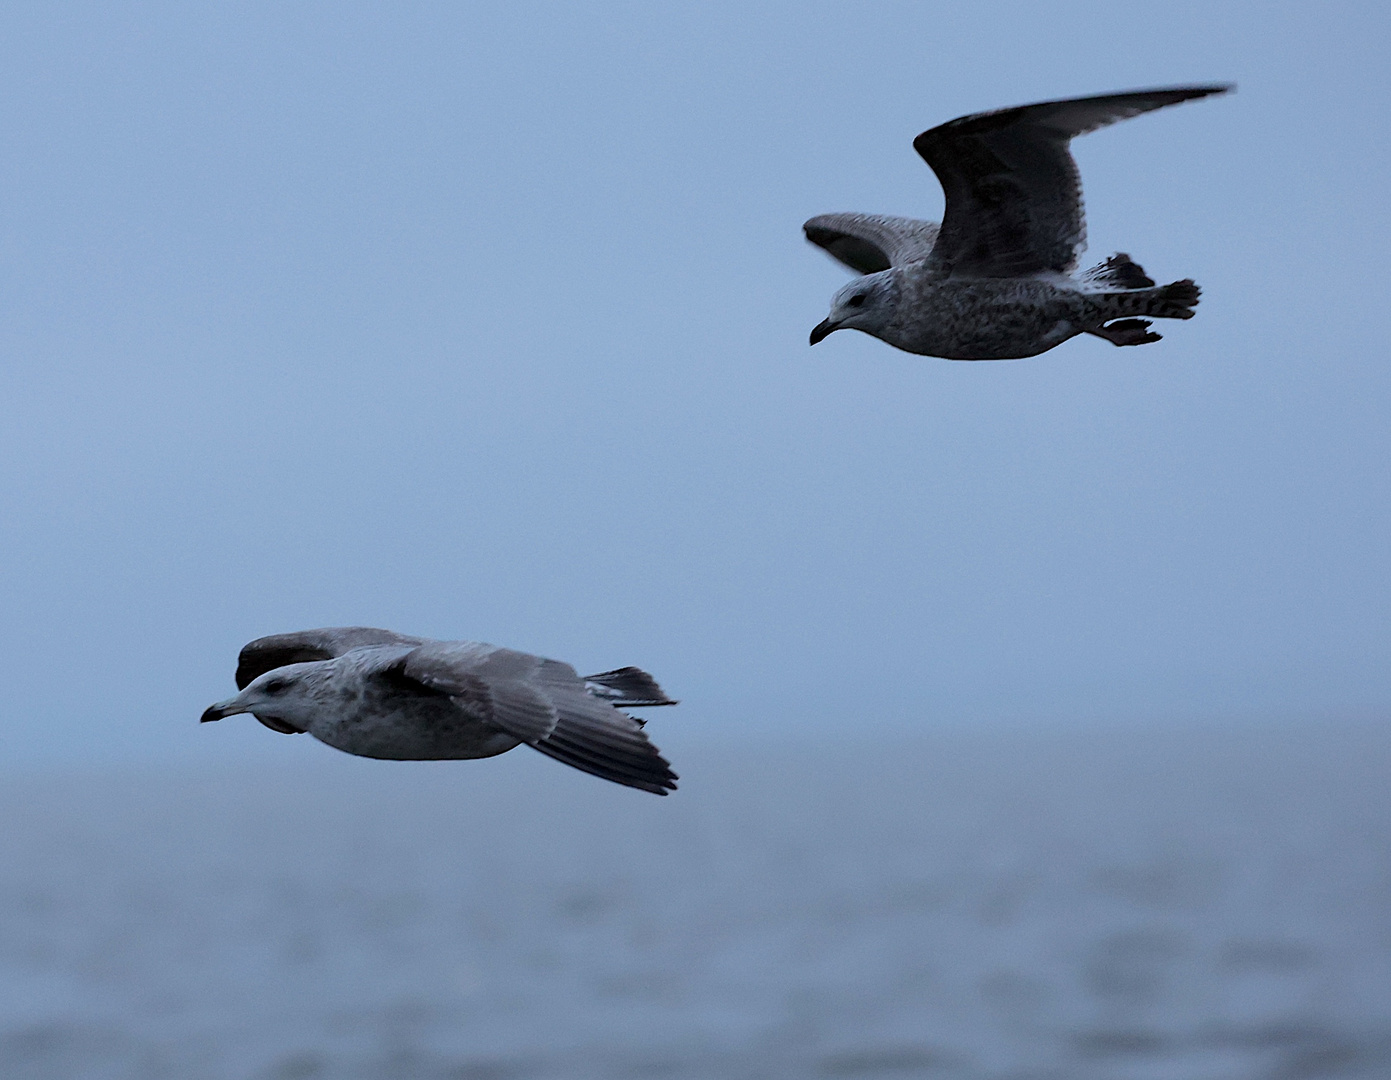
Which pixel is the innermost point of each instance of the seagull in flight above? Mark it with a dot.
(380, 694)
(996, 280)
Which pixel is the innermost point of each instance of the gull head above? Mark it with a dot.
(868, 303)
(287, 695)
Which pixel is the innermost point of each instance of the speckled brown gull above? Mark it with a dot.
(380, 694)
(996, 280)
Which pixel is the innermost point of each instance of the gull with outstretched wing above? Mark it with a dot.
(380, 694)
(997, 279)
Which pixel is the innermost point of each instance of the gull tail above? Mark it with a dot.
(628, 687)
(1176, 300)
(1115, 311)
(1173, 301)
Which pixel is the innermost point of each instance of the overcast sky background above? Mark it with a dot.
(490, 321)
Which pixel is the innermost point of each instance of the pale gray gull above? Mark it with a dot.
(996, 280)
(379, 694)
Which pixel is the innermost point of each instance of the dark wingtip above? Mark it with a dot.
(630, 687)
(1197, 90)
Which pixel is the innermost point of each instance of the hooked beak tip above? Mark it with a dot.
(211, 713)
(822, 330)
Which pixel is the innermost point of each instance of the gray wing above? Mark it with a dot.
(546, 705)
(277, 650)
(868, 243)
(1014, 198)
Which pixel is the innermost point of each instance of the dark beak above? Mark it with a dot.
(823, 330)
(212, 712)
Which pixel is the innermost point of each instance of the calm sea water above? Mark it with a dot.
(1113, 905)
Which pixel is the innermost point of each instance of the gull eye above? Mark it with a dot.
(276, 686)
(857, 300)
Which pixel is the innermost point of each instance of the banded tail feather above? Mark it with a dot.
(627, 686)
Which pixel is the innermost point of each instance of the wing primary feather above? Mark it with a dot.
(637, 764)
(1014, 196)
(564, 750)
(656, 787)
(648, 767)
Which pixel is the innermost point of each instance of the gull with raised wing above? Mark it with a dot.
(996, 279)
(379, 694)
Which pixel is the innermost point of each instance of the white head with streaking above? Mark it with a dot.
(286, 699)
(868, 303)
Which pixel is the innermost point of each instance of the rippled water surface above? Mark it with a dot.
(1119, 905)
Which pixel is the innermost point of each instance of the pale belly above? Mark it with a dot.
(413, 729)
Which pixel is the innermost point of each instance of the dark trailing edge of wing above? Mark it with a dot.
(642, 768)
(870, 243)
(268, 653)
(854, 251)
(251, 666)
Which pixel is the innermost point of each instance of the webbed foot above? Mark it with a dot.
(1126, 332)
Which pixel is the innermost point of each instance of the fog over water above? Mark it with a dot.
(1102, 904)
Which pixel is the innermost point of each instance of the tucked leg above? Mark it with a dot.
(1126, 332)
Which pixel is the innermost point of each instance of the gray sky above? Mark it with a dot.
(491, 322)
